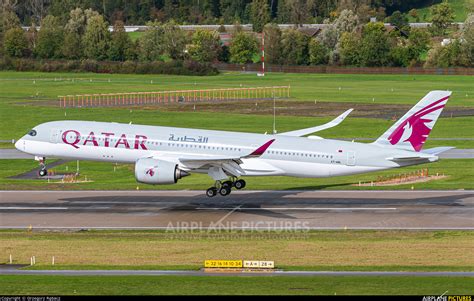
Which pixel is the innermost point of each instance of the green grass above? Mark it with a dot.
(460, 174)
(232, 285)
(381, 268)
(297, 250)
(135, 35)
(6, 145)
(406, 89)
(459, 7)
(17, 91)
(18, 115)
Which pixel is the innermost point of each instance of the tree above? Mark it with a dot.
(232, 10)
(272, 44)
(360, 7)
(375, 47)
(38, 9)
(242, 48)
(349, 49)
(346, 22)
(61, 9)
(467, 36)
(260, 14)
(205, 46)
(50, 38)
(294, 47)
(298, 11)
(15, 43)
(418, 44)
(318, 53)
(8, 20)
(151, 43)
(32, 37)
(120, 43)
(414, 14)
(96, 39)
(174, 41)
(398, 19)
(74, 31)
(442, 15)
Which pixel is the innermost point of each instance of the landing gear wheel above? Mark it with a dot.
(43, 172)
(211, 192)
(227, 184)
(225, 190)
(239, 184)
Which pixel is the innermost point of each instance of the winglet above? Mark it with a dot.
(259, 151)
(330, 124)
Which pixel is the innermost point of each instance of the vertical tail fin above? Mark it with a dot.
(411, 131)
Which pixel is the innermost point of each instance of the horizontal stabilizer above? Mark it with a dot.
(421, 157)
(307, 131)
(437, 150)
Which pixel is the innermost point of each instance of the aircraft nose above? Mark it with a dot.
(19, 145)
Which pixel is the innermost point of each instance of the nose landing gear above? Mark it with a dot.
(43, 171)
(224, 188)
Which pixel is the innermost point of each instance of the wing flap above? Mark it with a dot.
(230, 164)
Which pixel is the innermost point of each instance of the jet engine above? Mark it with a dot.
(153, 171)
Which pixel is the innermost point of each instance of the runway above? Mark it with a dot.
(252, 210)
(450, 154)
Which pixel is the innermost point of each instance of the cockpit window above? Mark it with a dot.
(32, 133)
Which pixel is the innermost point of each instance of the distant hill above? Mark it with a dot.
(459, 6)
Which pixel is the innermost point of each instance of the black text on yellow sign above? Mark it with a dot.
(223, 263)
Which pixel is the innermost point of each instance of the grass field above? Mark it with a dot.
(101, 176)
(193, 285)
(459, 7)
(18, 90)
(23, 93)
(313, 250)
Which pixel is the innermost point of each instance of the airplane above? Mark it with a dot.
(164, 155)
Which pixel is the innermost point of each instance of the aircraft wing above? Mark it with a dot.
(307, 131)
(221, 164)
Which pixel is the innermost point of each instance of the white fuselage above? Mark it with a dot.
(287, 156)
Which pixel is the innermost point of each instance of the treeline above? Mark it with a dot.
(84, 43)
(86, 40)
(347, 42)
(138, 12)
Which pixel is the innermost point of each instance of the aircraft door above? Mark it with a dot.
(351, 158)
(55, 135)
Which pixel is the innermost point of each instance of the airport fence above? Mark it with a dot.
(168, 97)
(345, 70)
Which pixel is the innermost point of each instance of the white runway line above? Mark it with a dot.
(34, 208)
(259, 228)
(302, 209)
(51, 208)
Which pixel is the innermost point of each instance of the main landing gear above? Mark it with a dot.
(224, 187)
(43, 171)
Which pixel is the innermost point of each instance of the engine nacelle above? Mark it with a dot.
(153, 171)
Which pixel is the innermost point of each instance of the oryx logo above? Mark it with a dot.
(414, 129)
(150, 172)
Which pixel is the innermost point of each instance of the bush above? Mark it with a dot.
(89, 65)
(188, 67)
